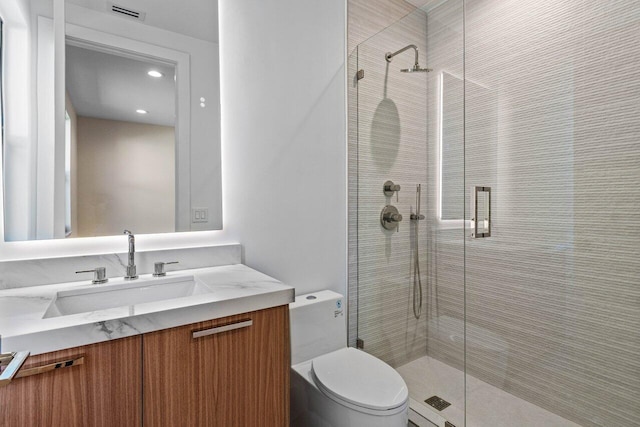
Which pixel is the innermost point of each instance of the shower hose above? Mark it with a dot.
(417, 281)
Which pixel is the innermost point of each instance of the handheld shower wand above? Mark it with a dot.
(417, 280)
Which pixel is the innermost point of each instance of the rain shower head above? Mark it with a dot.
(416, 67)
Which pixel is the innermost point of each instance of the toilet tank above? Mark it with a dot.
(318, 325)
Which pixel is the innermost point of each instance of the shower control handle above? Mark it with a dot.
(390, 218)
(389, 188)
(393, 217)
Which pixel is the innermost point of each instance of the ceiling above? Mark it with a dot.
(194, 18)
(425, 5)
(108, 86)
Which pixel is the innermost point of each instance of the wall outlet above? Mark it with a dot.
(199, 215)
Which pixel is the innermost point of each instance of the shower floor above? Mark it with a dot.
(487, 405)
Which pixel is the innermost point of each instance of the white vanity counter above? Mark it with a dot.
(228, 290)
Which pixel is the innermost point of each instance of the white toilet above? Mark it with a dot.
(333, 385)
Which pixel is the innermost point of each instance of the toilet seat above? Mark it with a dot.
(360, 381)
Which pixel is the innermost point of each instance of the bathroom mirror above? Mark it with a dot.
(113, 118)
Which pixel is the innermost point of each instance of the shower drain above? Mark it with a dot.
(437, 402)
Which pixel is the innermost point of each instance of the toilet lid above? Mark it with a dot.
(358, 378)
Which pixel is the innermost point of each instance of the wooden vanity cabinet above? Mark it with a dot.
(235, 374)
(102, 388)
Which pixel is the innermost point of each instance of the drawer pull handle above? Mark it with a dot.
(225, 328)
(12, 362)
(50, 367)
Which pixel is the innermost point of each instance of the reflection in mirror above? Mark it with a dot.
(28, 94)
(1, 85)
(455, 139)
(451, 201)
(122, 140)
(73, 158)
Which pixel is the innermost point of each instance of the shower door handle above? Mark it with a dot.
(480, 212)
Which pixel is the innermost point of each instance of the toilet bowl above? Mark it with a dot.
(333, 385)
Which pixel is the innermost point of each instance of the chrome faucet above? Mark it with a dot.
(131, 266)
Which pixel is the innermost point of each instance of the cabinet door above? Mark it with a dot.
(237, 377)
(102, 388)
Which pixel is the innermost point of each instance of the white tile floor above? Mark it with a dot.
(487, 406)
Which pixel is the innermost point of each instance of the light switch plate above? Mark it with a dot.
(199, 215)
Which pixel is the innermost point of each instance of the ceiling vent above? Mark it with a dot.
(126, 12)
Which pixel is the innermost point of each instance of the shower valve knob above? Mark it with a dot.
(393, 217)
(390, 218)
(389, 188)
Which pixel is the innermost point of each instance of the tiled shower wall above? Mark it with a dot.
(387, 141)
(551, 123)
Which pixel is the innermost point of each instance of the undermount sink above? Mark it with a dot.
(102, 297)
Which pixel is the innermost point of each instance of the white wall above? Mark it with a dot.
(126, 177)
(49, 190)
(30, 71)
(283, 150)
(19, 115)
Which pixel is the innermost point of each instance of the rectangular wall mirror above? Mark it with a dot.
(111, 118)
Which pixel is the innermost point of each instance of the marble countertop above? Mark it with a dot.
(233, 289)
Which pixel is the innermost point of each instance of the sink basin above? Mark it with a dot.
(102, 297)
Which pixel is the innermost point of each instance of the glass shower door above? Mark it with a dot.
(391, 146)
(409, 303)
(523, 138)
(552, 296)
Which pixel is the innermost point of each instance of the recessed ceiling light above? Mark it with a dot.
(141, 111)
(154, 73)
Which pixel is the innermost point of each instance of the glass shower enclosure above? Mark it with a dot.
(507, 292)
